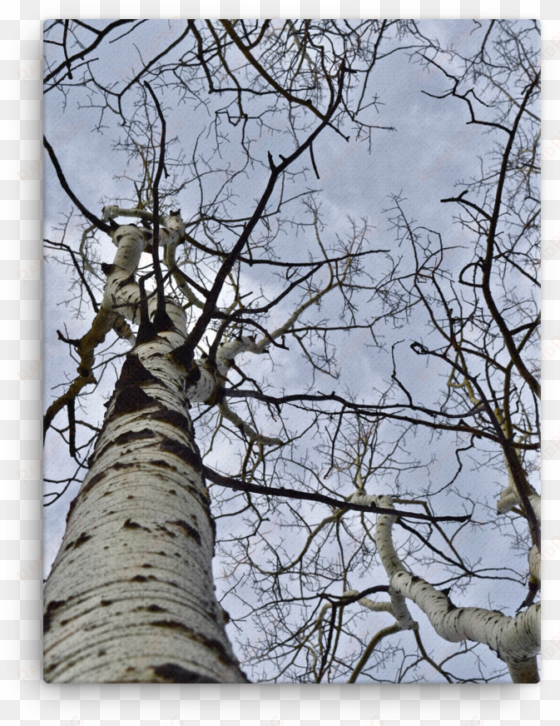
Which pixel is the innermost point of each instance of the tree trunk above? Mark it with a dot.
(516, 640)
(130, 597)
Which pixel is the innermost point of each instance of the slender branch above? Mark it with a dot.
(161, 315)
(200, 326)
(64, 184)
(237, 484)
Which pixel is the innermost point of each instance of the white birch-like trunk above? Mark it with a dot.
(130, 597)
(516, 640)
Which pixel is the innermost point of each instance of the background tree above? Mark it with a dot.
(232, 299)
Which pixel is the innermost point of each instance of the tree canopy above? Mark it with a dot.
(347, 215)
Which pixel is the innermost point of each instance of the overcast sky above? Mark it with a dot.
(353, 183)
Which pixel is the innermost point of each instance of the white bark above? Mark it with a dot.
(516, 640)
(247, 430)
(130, 596)
(374, 606)
(509, 499)
(171, 262)
(122, 293)
(399, 607)
(535, 562)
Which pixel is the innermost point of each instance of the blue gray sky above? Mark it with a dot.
(429, 151)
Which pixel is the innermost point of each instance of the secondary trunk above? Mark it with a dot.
(131, 595)
(516, 640)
